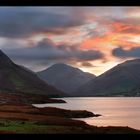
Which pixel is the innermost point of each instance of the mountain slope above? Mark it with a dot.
(65, 77)
(122, 80)
(17, 79)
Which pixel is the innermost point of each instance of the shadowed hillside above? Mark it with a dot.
(122, 80)
(65, 77)
(17, 79)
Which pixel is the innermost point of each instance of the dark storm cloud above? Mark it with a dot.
(18, 22)
(46, 50)
(45, 44)
(87, 55)
(120, 52)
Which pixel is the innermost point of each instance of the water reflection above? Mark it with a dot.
(115, 111)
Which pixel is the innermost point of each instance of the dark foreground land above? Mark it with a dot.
(22, 118)
(27, 99)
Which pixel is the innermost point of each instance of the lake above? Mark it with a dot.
(115, 111)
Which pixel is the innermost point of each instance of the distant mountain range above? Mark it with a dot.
(20, 80)
(65, 78)
(122, 80)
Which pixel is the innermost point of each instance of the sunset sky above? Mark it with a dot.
(93, 39)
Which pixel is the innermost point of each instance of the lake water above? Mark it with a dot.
(115, 111)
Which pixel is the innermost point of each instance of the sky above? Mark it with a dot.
(94, 38)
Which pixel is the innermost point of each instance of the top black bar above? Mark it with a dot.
(69, 2)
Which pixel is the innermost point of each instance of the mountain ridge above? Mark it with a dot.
(18, 79)
(65, 77)
(121, 80)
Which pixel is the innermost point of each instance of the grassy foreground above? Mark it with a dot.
(25, 127)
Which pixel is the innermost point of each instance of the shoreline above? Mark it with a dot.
(23, 118)
(18, 115)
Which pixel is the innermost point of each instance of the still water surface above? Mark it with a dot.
(115, 111)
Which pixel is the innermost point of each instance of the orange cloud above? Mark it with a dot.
(120, 35)
(121, 27)
(116, 34)
(126, 36)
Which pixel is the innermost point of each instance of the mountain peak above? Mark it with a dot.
(18, 79)
(61, 65)
(65, 77)
(4, 59)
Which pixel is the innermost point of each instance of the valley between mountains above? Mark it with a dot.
(20, 88)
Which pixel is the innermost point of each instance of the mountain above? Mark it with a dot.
(18, 79)
(65, 77)
(122, 80)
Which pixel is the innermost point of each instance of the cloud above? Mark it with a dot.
(87, 55)
(120, 52)
(80, 35)
(45, 44)
(87, 64)
(46, 52)
(123, 26)
(22, 22)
